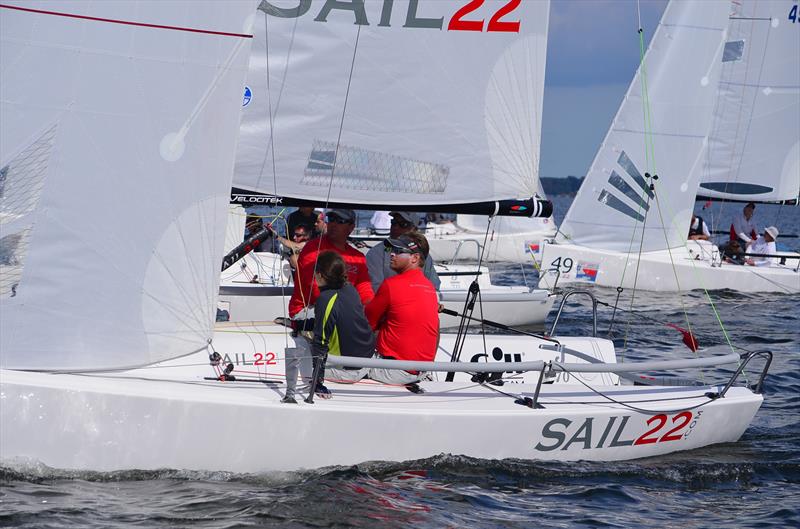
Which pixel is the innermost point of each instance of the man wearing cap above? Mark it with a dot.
(764, 245)
(744, 227)
(378, 260)
(340, 224)
(405, 310)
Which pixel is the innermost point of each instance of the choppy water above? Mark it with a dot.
(752, 483)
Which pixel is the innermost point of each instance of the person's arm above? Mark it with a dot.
(740, 227)
(376, 309)
(305, 283)
(375, 266)
(430, 272)
(706, 233)
(363, 284)
(319, 347)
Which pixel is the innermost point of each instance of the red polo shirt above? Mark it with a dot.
(357, 274)
(405, 312)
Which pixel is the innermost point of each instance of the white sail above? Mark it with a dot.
(682, 71)
(754, 149)
(433, 114)
(117, 145)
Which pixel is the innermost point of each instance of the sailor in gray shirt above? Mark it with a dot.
(378, 259)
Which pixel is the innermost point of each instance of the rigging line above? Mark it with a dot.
(335, 159)
(645, 105)
(630, 407)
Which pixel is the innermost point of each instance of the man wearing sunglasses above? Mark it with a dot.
(405, 311)
(340, 224)
(378, 260)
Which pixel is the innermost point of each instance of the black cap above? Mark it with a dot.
(347, 215)
(404, 242)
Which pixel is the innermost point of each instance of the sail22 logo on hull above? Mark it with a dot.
(471, 16)
(562, 433)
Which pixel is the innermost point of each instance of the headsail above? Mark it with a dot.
(682, 70)
(117, 144)
(436, 105)
(754, 148)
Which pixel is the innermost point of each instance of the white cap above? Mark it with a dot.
(773, 232)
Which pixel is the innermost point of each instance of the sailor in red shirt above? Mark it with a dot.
(340, 224)
(405, 311)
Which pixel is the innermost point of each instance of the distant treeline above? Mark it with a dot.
(561, 186)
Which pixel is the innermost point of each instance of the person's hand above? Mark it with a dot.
(441, 307)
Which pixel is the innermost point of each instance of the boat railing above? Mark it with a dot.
(550, 368)
(458, 249)
(568, 295)
(744, 360)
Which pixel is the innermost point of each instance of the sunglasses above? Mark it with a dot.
(402, 223)
(300, 234)
(397, 251)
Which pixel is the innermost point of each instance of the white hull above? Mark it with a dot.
(696, 267)
(169, 416)
(448, 241)
(266, 299)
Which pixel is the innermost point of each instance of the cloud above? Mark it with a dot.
(595, 42)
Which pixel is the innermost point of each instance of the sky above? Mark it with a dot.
(592, 55)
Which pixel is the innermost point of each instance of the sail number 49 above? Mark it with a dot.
(562, 264)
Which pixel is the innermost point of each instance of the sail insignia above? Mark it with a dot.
(614, 202)
(357, 168)
(21, 183)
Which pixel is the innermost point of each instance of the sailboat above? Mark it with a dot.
(737, 139)
(128, 371)
(258, 287)
(255, 289)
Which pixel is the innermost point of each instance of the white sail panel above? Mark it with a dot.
(754, 149)
(434, 114)
(682, 71)
(117, 144)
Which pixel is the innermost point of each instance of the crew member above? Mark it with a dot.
(340, 328)
(340, 224)
(378, 259)
(744, 227)
(405, 311)
(698, 229)
(764, 245)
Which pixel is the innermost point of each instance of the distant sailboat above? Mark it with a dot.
(626, 228)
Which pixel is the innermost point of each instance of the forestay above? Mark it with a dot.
(116, 156)
(754, 149)
(443, 105)
(682, 72)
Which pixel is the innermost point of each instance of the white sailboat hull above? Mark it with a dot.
(111, 423)
(267, 298)
(695, 266)
(448, 241)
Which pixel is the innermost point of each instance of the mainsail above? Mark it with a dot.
(663, 134)
(415, 102)
(116, 158)
(754, 148)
